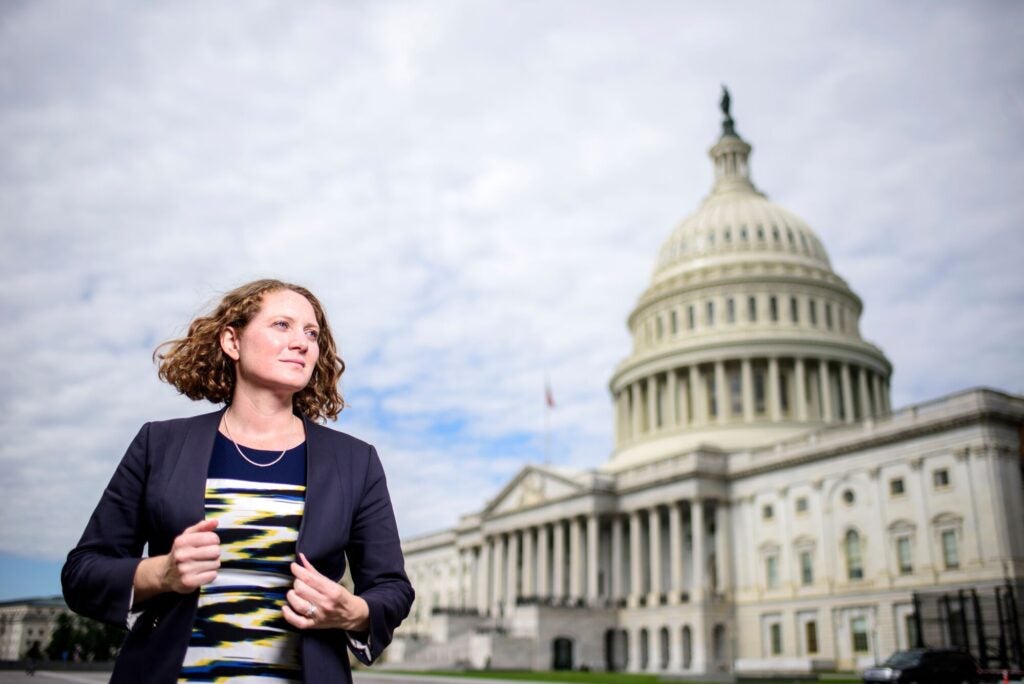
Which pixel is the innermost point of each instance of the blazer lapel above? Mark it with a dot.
(188, 481)
(320, 478)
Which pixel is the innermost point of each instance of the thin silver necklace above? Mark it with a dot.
(239, 449)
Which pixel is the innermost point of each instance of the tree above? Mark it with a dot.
(81, 638)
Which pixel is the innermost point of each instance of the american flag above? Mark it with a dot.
(549, 398)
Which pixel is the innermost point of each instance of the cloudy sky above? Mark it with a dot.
(477, 191)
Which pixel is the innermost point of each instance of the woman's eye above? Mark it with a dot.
(313, 334)
(283, 325)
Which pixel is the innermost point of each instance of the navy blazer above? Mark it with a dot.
(159, 489)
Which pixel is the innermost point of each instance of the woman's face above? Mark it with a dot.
(278, 348)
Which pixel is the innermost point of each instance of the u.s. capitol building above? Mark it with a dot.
(764, 509)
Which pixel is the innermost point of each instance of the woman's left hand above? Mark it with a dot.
(317, 602)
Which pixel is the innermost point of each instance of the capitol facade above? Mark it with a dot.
(764, 508)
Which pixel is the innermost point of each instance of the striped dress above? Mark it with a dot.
(239, 634)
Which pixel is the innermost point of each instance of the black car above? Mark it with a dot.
(926, 666)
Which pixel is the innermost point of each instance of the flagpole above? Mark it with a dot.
(549, 403)
(547, 433)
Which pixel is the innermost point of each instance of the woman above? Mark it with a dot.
(249, 513)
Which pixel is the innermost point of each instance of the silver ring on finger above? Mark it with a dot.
(311, 611)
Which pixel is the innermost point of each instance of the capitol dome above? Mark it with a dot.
(745, 336)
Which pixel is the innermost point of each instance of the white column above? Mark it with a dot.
(747, 384)
(799, 379)
(635, 409)
(774, 405)
(617, 569)
(543, 563)
(865, 401)
(925, 538)
(620, 420)
(636, 585)
(721, 393)
(826, 391)
(786, 573)
(498, 594)
(876, 392)
(844, 377)
(675, 551)
(512, 574)
(483, 599)
(671, 403)
(652, 403)
(529, 574)
(829, 549)
(575, 559)
(593, 542)
(699, 557)
(723, 546)
(654, 557)
(464, 576)
(883, 561)
(965, 475)
(558, 556)
(700, 402)
(675, 648)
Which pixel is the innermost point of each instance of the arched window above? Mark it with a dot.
(854, 560)
(663, 647)
(561, 654)
(687, 648)
(645, 649)
(718, 643)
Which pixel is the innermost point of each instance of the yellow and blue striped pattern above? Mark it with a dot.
(240, 635)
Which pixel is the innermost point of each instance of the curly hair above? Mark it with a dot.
(198, 368)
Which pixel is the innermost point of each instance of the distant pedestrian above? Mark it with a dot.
(33, 656)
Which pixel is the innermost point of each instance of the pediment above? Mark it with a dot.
(531, 487)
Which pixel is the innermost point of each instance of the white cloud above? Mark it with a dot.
(477, 195)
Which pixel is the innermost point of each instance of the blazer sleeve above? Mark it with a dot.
(377, 565)
(99, 573)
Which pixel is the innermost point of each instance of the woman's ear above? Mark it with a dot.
(229, 342)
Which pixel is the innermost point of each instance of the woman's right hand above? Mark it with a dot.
(194, 558)
(192, 562)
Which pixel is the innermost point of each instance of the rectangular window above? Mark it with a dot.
(752, 309)
(896, 486)
(801, 504)
(903, 554)
(811, 636)
(773, 309)
(912, 637)
(859, 631)
(674, 320)
(730, 310)
(813, 311)
(784, 393)
(940, 478)
(660, 327)
(806, 568)
(775, 633)
(712, 393)
(759, 394)
(691, 317)
(736, 393)
(767, 512)
(950, 554)
(771, 571)
(794, 310)
(711, 313)
(828, 316)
